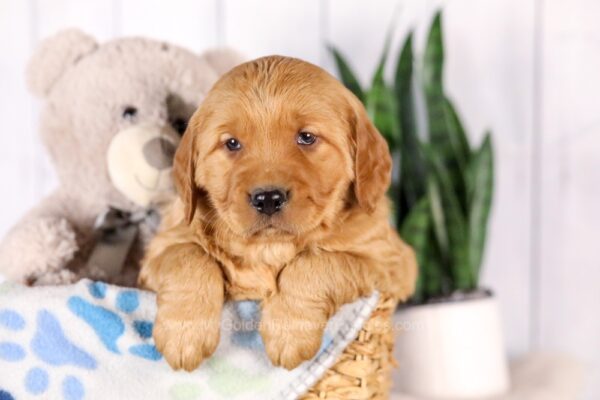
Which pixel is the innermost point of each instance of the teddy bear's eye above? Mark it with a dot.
(129, 113)
(180, 125)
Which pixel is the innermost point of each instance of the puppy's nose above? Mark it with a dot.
(268, 201)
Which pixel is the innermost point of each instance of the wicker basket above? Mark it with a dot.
(363, 370)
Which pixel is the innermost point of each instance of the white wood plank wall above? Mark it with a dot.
(527, 69)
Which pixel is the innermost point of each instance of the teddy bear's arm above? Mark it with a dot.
(39, 247)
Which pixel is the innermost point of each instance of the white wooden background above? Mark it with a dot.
(527, 69)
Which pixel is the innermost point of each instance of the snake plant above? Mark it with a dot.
(442, 190)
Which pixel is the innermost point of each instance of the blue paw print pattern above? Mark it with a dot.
(12, 352)
(4, 395)
(128, 301)
(246, 335)
(97, 289)
(11, 320)
(72, 389)
(108, 324)
(143, 328)
(37, 381)
(49, 346)
(147, 351)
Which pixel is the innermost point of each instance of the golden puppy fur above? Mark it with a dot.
(330, 243)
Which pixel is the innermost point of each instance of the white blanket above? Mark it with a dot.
(94, 341)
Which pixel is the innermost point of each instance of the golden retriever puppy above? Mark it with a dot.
(281, 180)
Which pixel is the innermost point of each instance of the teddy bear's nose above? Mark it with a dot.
(159, 152)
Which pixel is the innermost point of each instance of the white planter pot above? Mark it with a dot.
(451, 350)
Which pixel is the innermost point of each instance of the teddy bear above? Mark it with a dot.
(112, 117)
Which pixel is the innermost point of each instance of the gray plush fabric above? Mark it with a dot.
(85, 87)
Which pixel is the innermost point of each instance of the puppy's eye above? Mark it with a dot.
(233, 144)
(306, 138)
(180, 125)
(129, 113)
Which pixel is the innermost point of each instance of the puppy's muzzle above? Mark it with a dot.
(268, 201)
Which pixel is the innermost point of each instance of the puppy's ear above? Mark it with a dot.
(372, 160)
(184, 167)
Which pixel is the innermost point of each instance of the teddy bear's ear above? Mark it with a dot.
(222, 60)
(55, 55)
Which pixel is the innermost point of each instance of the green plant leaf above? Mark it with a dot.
(433, 62)
(347, 76)
(381, 107)
(404, 73)
(437, 217)
(380, 101)
(412, 166)
(415, 231)
(457, 136)
(480, 184)
(455, 221)
(446, 133)
(436, 281)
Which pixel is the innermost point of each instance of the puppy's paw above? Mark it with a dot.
(291, 333)
(185, 342)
